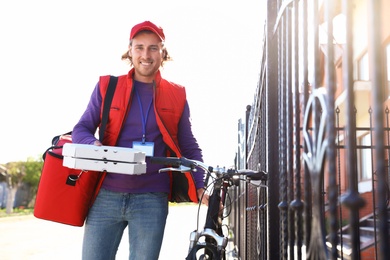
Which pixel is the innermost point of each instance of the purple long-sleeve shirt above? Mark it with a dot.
(84, 133)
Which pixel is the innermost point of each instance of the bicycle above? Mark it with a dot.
(210, 242)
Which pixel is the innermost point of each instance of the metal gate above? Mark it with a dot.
(319, 126)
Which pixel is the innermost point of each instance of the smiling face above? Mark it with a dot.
(146, 52)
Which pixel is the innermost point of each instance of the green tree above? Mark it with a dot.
(16, 171)
(27, 173)
(33, 169)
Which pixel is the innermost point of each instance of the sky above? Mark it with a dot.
(53, 52)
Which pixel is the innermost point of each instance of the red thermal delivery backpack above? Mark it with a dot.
(65, 195)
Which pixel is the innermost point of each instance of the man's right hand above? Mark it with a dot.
(97, 143)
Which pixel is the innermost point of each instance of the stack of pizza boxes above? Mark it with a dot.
(111, 159)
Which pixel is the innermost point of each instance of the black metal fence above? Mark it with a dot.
(319, 125)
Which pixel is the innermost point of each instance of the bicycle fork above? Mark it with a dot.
(212, 230)
(210, 235)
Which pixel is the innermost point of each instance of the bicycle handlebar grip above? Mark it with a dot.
(174, 161)
(169, 161)
(254, 175)
(258, 176)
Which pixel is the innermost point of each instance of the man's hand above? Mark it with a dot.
(202, 195)
(97, 143)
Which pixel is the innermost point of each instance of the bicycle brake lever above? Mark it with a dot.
(176, 169)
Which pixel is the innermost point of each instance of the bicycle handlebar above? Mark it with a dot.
(183, 164)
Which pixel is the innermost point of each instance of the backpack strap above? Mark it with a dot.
(106, 110)
(106, 106)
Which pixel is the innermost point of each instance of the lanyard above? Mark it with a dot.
(143, 118)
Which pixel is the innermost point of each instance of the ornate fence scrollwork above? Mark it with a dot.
(314, 129)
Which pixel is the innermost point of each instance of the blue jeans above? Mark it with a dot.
(145, 215)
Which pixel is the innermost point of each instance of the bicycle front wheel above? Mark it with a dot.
(205, 252)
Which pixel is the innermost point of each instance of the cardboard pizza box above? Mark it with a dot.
(102, 165)
(112, 159)
(107, 153)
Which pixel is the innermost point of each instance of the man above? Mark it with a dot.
(147, 113)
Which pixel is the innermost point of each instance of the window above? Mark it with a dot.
(388, 61)
(365, 158)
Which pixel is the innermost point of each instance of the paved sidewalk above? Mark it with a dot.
(29, 238)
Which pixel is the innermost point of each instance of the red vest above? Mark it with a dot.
(169, 102)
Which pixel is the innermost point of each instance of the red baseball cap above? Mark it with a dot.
(147, 26)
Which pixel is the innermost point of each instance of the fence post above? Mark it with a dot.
(272, 136)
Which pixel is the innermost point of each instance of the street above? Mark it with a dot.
(29, 238)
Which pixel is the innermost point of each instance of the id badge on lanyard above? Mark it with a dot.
(146, 147)
(143, 146)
